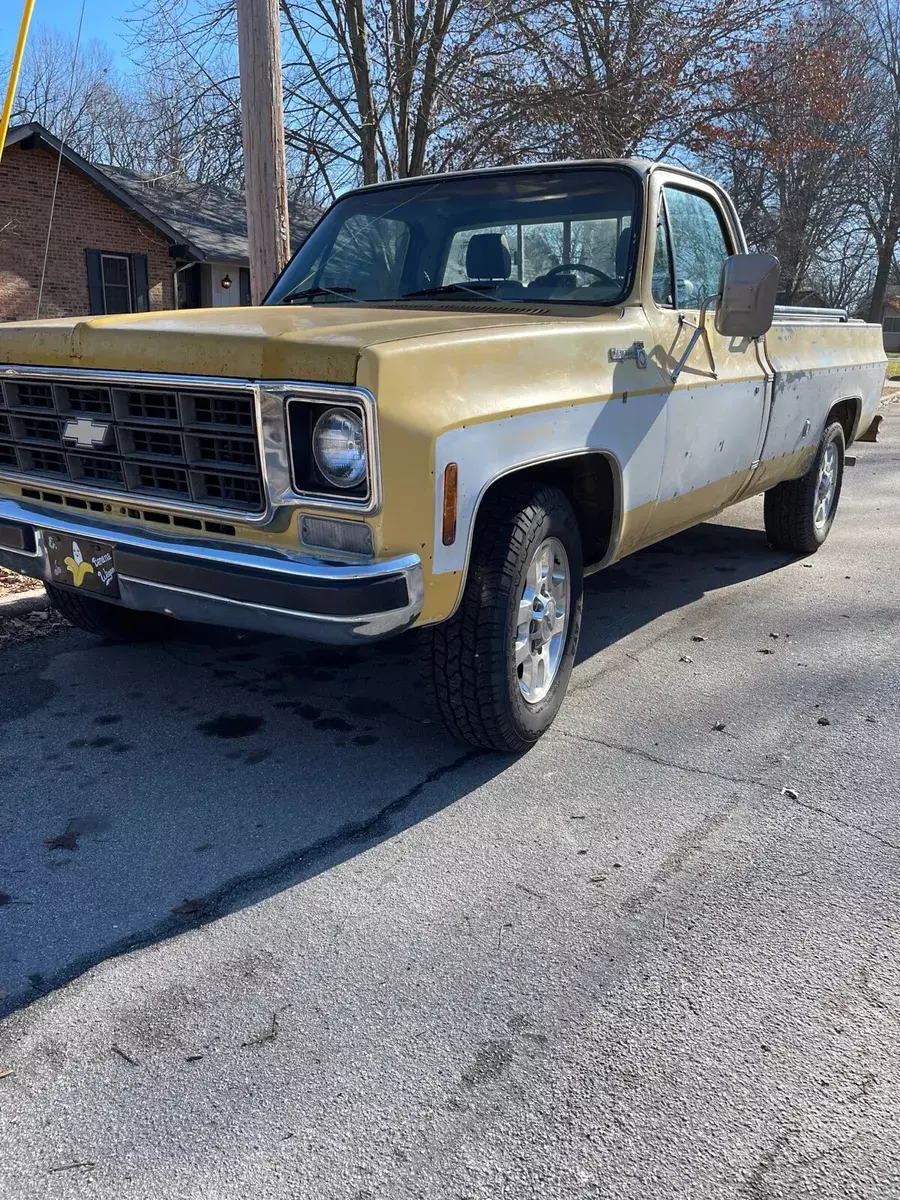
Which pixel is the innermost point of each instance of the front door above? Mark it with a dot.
(715, 410)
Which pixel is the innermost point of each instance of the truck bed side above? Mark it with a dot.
(819, 359)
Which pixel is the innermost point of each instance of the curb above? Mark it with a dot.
(24, 602)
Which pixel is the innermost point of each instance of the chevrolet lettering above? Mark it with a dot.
(463, 394)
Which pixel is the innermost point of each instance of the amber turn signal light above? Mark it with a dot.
(448, 527)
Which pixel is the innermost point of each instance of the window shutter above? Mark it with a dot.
(139, 283)
(96, 302)
(245, 285)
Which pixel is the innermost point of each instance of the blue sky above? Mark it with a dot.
(101, 21)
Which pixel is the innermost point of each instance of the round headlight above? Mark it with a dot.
(339, 447)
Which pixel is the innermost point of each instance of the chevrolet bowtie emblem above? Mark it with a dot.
(86, 432)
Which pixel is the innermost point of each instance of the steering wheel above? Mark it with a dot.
(601, 275)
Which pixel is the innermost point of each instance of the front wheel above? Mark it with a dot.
(500, 667)
(799, 513)
(104, 619)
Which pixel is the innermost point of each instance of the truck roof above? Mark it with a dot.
(640, 166)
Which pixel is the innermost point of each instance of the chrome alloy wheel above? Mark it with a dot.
(826, 488)
(542, 620)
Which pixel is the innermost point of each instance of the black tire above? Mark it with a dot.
(789, 508)
(108, 620)
(470, 660)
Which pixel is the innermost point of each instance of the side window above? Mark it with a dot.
(662, 266)
(699, 243)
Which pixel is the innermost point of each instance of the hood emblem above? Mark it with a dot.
(87, 433)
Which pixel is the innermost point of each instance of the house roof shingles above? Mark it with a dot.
(210, 218)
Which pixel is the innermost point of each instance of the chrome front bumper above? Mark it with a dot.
(245, 588)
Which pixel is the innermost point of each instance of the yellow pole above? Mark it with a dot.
(14, 73)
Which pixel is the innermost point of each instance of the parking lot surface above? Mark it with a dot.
(266, 932)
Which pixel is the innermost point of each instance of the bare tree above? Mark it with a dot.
(373, 90)
(192, 127)
(165, 116)
(878, 168)
(80, 99)
(843, 271)
(389, 81)
(797, 101)
(789, 139)
(614, 77)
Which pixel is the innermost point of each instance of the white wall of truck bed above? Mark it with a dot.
(816, 367)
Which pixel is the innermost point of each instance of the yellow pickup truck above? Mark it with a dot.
(464, 393)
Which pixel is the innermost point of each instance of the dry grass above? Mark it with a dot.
(27, 626)
(23, 627)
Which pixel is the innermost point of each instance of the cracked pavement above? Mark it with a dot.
(288, 940)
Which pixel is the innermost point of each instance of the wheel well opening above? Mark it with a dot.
(588, 482)
(847, 412)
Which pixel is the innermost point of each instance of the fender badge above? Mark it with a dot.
(636, 351)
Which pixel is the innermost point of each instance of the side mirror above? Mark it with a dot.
(748, 290)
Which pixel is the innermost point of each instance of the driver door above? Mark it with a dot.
(715, 409)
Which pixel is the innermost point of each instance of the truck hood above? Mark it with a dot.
(315, 342)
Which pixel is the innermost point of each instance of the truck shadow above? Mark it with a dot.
(152, 789)
(669, 576)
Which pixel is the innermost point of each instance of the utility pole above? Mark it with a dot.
(262, 120)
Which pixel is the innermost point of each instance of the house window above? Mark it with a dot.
(117, 283)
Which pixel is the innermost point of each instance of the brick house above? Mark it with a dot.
(122, 241)
(890, 318)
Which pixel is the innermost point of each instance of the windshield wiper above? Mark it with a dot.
(446, 288)
(310, 292)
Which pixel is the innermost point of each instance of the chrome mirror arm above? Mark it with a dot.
(699, 329)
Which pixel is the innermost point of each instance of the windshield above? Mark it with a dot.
(551, 236)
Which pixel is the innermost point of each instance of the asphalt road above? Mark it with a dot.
(626, 965)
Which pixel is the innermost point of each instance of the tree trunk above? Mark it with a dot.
(360, 69)
(882, 275)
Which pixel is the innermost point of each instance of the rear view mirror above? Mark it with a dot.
(749, 288)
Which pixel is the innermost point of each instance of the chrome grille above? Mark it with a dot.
(94, 468)
(196, 446)
(35, 429)
(32, 395)
(42, 462)
(212, 408)
(91, 400)
(141, 404)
